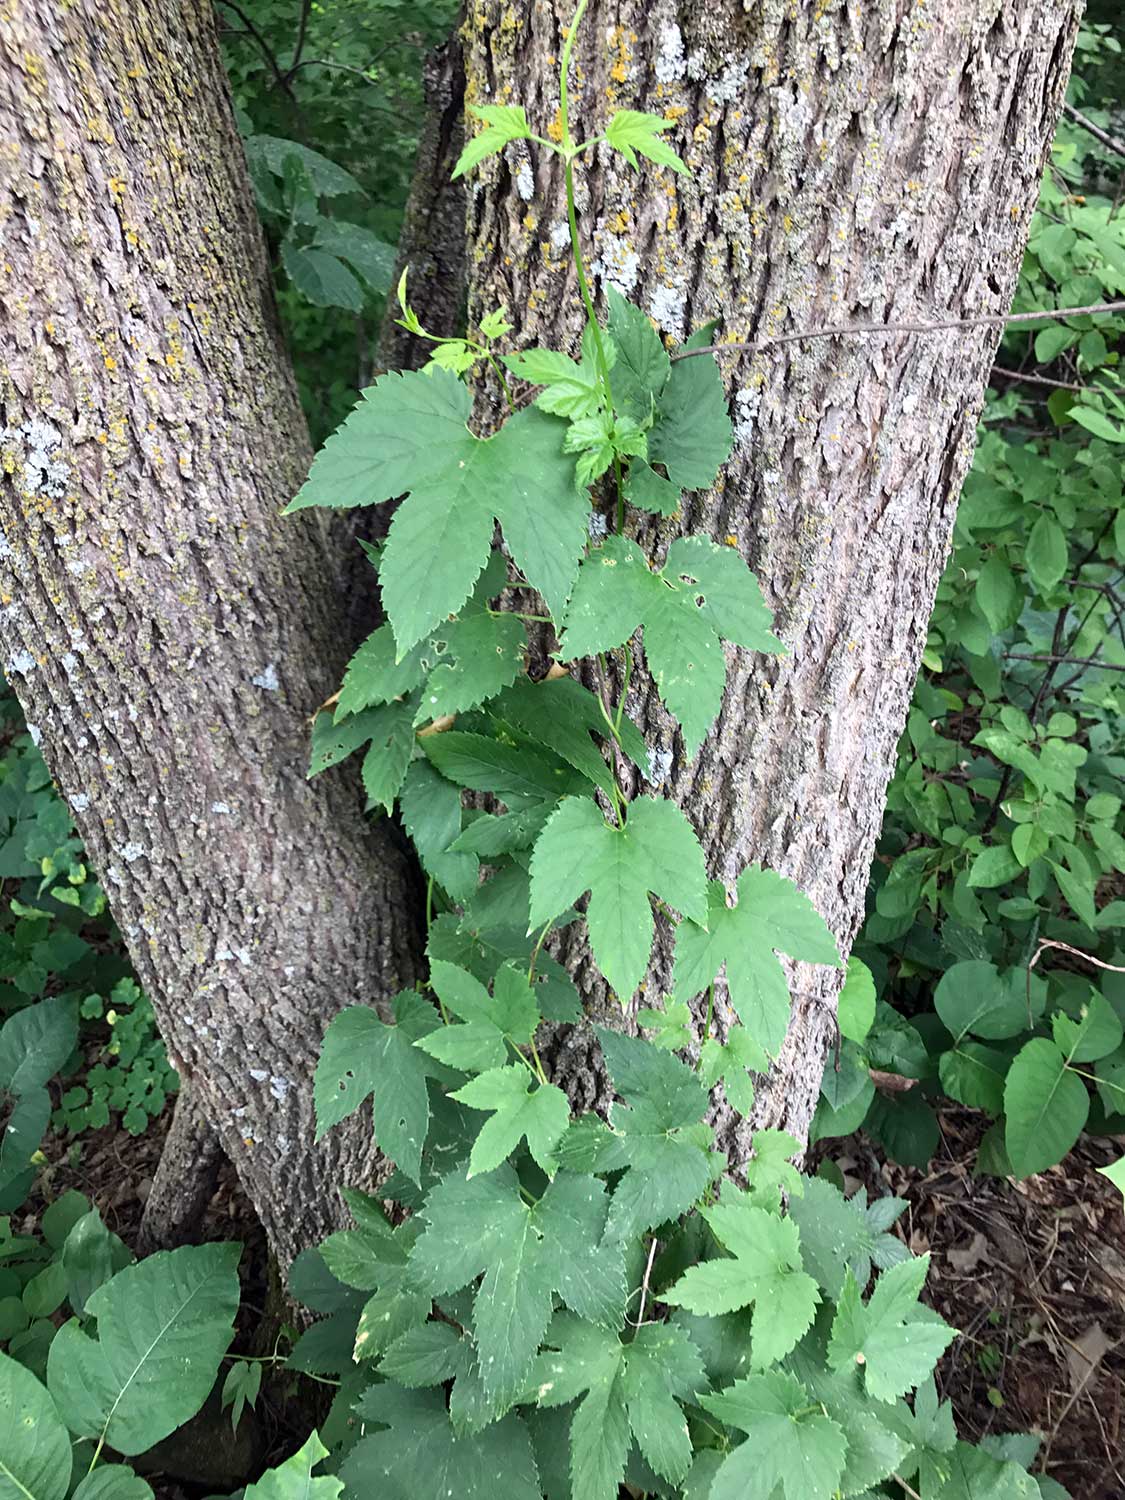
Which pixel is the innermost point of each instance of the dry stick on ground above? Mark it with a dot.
(986, 320)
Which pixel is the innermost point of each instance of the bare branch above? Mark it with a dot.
(985, 320)
(1109, 141)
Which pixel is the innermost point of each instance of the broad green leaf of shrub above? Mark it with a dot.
(994, 866)
(624, 1391)
(320, 277)
(483, 1226)
(163, 1326)
(998, 594)
(35, 1460)
(791, 1445)
(770, 914)
(113, 1482)
(764, 1268)
(409, 434)
(364, 251)
(35, 1042)
(1046, 1106)
(974, 998)
(855, 1010)
(293, 1479)
(1046, 554)
(23, 1130)
(417, 1452)
(974, 1075)
(893, 1338)
(704, 592)
(1098, 423)
(1094, 1034)
(361, 1056)
(656, 853)
(1116, 1174)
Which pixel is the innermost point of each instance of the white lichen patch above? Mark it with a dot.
(42, 471)
(671, 63)
(659, 766)
(745, 416)
(131, 851)
(667, 306)
(22, 664)
(619, 264)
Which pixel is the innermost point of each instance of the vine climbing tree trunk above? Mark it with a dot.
(167, 634)
(849, 164)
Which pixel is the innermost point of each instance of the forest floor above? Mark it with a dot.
(1032, 1273)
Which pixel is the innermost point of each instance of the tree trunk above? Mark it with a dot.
(849, 164)
(167, 634)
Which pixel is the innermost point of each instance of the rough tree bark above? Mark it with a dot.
(849, 163)
(168, 636)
